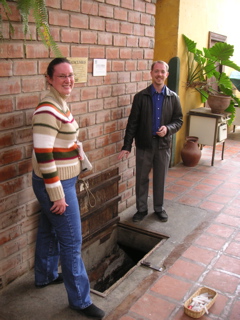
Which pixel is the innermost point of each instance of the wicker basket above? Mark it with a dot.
(198, 314)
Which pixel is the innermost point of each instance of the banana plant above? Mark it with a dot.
(40, 15)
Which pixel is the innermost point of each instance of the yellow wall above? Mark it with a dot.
(194, 19)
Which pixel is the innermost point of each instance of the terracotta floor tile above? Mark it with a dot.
(171, 287)
(219, 305)
(204, 187)
(186, 183)
(190, 201)
(210, 241)
(226, 191)
(199, 254)
(228, 220)
(237, 238)
(176, 189)
(170, 195)
(232, 211)
(229, 264)
(195, 193)
(186, 269)
(233, 249)
(212, 206)
(212, 182)
(152, 307)
(219, 198)
(235, 311)
(236, 203)
(126, 318)
(221, 281)
(220, 230)
(215, 176)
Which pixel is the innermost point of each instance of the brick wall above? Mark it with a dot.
(121, 31)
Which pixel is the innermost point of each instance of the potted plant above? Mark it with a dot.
(203, 76)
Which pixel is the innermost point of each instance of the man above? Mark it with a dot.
(155, 116)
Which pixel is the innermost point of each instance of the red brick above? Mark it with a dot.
(112, 26)
(59, 19)
(12, 217)
(120, 14)
(36, 50)
(151, 8)
(132, 41)
(86, 120)
(79, 108)
(134, 17)
(97, 53)
(139, 5)
(9, 263)
(126, 28)
(33, 84)
(27, 101)
(88, 37)
(102, 117)
(109, 150)
(25, 166)
(125, 53)
(112, 53)
(19, 34)
(12, 155)
(14, 16)
(149, 31)
(127, 4)
(70, 35)
(53, 3)
(110, 127)
(12, 50)
(146, 19)
(24, 67)
(104, 91)
(118, 65)
(113, 2)
(97, 24)
(148, 54)
(11, 121)
(79, 21)
(71, 5)
(119, 40)
(138, 30)
(6, 69)
(64, 49)
(89, 7)
(95, 131)
(110, 78)
(95, 105)
(105, 39)
(79, 51)
(23, 135)
(124, 100)
(6, 104)
(137, 54)
(123, 77)
(131, 65)
(5, 30)
(110, 103)
(88, 93)
(105, 11)
(6, 139)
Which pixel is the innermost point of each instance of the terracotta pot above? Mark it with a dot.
(218, 103)
(190, 152)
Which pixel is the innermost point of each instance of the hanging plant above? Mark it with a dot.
(40, 15)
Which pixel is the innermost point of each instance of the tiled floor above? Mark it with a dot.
(213, 257)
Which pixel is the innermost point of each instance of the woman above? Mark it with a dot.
(56, 166)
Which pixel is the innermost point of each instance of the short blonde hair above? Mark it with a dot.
(162, 62)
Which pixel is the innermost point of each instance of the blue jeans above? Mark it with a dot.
(60, 236)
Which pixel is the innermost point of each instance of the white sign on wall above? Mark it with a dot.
(99, 67)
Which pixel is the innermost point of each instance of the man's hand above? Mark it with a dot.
(122, 154)
(162, 131)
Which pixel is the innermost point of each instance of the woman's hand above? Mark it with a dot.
(59, 206)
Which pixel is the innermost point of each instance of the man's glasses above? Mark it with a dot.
(64, 77)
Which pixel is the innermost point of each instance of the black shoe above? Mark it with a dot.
(92, 311)
(138, 216)
(162, 216)
(56, 281)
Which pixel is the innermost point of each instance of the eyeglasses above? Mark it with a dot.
(64, 77)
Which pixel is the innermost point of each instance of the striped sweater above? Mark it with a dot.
(55, 153)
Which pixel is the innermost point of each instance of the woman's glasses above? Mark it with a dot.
(64, 77)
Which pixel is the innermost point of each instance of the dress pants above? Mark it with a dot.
(147, 159)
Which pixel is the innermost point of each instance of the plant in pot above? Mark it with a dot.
(204, 77)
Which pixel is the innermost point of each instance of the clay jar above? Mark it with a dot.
(190, 152)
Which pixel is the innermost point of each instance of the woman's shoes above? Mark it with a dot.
(56, 281)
